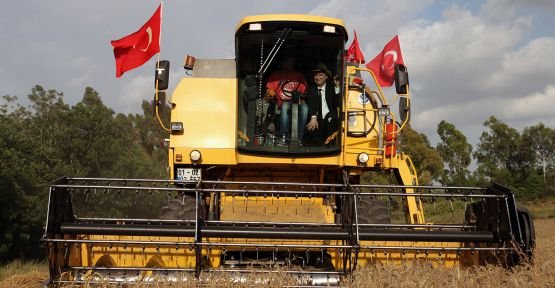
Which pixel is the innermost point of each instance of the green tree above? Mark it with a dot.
(538, 142)
(497, 151)
(49, 139)
(93, 149)
(29, 156)
(13, 164)
(427, 161)
(456, 152)
(46, 127)
(507, 157)
(541, 142)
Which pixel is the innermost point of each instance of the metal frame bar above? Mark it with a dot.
(274, 224)
(250, 183)
(291, 192)
(128, 244)
(299, 233)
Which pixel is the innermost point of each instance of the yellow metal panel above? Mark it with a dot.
(397, 257)
(231, 157)
(208, 110)
(138, 256)
(264, 159)
(408, 177)
(282, 209)
(362, 115)
(170, 257)
(208, 156)
(171, 158)
(374, 160)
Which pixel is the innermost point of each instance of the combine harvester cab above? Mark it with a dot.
(249, 198)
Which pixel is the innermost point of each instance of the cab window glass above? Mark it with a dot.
(278, 95)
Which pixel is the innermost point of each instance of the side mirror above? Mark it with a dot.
(162, 75)
(401, 79)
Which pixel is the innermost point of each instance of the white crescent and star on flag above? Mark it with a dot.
(149, 33)
(393, 54)
(383, 65)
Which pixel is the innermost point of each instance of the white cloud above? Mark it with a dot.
(498, 10)
(79, 62)
(80, 81)
(526, 69)
(462, 46)
(81, 71)
(139, 87)
(376, 22)
(459, 113)
(134, 90)
(542, 4)
(531, 107)
(469, 65)
(516, 112)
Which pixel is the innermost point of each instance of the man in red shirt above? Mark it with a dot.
(282, 86)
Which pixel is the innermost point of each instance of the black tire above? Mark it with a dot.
(527, 231)
(528, 241)
(180, 209)
(372, 211)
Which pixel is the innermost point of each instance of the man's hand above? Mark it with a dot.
(313, 124)
(270, 94)
(336, 81)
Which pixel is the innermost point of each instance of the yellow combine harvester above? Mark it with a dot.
(249, 194)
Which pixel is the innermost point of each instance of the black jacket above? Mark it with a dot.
(327, 124)
(313, 100)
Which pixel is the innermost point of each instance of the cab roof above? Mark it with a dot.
(292, 18)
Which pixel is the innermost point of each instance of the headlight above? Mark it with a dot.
(363, 158)
(194, 155)
(176, 126)
(255, 27)
(383, 111)
(329, 29)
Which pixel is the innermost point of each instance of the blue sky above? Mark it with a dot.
(467, 59)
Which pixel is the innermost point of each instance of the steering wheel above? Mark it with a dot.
(291, 90)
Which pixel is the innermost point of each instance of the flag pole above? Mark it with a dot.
(157, 106)
(160, 36)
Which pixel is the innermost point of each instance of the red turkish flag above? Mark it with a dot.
(353, 53)
(383, 65)
(134, 50)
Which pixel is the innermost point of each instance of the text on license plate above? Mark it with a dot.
(188, 174)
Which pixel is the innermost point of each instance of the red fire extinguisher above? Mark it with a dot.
(391, 136)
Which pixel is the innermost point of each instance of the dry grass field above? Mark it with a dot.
(540, 274)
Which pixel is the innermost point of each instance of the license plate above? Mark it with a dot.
(188, 174)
